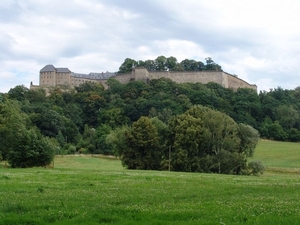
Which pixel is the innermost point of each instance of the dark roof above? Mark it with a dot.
(48, 68)
(94, 76)
(63, 70)
(51, 68)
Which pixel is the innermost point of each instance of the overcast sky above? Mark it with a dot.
(258, 40)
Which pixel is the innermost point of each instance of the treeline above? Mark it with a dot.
(90, 119)
(162, 63)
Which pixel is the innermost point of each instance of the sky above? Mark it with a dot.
(257, 40)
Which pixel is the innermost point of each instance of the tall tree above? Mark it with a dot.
(143, 150)
(161, 63)
(211, 65)
(20, 143)
(127, 65)
(207, 140)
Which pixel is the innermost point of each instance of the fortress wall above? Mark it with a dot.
(140, 74)
(76, 81)
(34, 87)
(158, 74)
(235, 83)
(52, 79)
(191, 77)
(123, 78)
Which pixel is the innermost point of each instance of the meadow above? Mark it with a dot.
(90, 190)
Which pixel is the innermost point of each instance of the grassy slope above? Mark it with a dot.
(85, 190)
(274, 154)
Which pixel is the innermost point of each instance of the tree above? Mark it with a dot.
(160, 63)
(11, 119)
(143, 150)
(117, 140)
(205, 140)
(21, 143)
(287, 116)
(127, 65)
(101, 146)
(90, 87)
(249, 139)
(92, 105)
(113, 117)
(211, 65)
(49, 122)
(19, 92)
(191, 65)
(172, 64)
(150, 65)
(276, 132)
(31, 149)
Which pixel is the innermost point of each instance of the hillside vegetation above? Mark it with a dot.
(93, 120)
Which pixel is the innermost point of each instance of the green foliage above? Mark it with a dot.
(18, 93)
(117, 140)
(255, 168)
(162, 63)
(110, 112)
(275, 131)
(127, 65)
(61, 139)
(113, 117)
(89, 87)
(101, 147)
(211, 65)
(12, 122)
(50, 122)
(287, 116)
(249, 138)
(22, 144)
(31, 149)
(205, 140)
(144, 151)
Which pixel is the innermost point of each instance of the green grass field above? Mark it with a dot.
(278, 156)
(89, 190)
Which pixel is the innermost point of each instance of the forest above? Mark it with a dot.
(92, 120)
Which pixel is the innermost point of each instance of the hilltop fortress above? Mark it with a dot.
(53, 77)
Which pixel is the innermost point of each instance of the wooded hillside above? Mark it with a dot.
(83, 120)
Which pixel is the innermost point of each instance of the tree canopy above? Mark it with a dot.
(162, 63)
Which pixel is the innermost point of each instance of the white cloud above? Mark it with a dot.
(257, 40)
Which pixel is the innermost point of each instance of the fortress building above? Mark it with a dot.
(53, 77)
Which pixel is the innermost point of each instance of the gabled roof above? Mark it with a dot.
(51, 68)
(48, 68)
(63, 70)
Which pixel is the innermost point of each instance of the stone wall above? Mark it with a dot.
(235, 83)
(124, 78)
(224, 79)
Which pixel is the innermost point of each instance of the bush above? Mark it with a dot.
(255, 168)
(31, 149)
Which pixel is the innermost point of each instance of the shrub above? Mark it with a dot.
(255, 168)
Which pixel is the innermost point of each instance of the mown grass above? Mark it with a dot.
(89, 190)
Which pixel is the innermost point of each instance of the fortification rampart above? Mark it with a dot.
(52, 77)
(224, 79)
